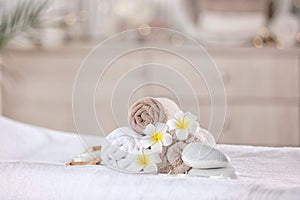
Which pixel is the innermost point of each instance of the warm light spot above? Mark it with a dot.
(183, 124)
(264, 32)
(144, 29)
(70, 19)
(258, 42)
(144, 160)
(157, 137)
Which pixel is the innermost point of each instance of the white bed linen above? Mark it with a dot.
(32, 167)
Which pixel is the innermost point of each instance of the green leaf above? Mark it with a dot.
(24, 18)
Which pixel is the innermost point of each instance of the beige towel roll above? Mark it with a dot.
(150, 110)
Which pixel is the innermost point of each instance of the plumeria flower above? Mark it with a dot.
(144, 162)
(156, 137)
(183, 124)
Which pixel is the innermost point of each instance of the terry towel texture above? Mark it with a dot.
(264, 172)
(150, 110)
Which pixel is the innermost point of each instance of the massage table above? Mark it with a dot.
(33, 166)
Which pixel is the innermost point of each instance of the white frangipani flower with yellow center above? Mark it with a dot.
(183, 124)
(156, 137)
(145, 162)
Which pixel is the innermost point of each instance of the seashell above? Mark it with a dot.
(91, 156)
(198, 155)
(173, 153)
(219, 173)
(174, 158)
(202, 136)
(164, 167)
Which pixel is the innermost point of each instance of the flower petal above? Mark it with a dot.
(172, 123)
(189, 117)
(181, 134)
(160, 127)
(194, 127)
(151, 168)
(155, 158)
(146, 142)
(179, 115)
(149, 130)
(156, 147)
(167, 139)
(134, 167)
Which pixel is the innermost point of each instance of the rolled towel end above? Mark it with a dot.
(150, 110)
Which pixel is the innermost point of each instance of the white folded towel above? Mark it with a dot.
(120, 144)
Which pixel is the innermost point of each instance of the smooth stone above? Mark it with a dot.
(198, 155)
(220, 173)
(206, 137)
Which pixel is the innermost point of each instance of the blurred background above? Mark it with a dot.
(255, 44)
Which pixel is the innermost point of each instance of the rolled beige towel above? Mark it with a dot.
(150, 110)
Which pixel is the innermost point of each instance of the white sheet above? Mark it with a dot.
(32, 167)
(19, 141)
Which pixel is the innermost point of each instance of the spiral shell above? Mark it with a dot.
(174, 157)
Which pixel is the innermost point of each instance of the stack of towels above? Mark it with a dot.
(176, 139)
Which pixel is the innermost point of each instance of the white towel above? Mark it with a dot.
(35, 181)
(19, 141)
(264, 172)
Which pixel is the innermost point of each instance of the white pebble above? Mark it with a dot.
(198, 155)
